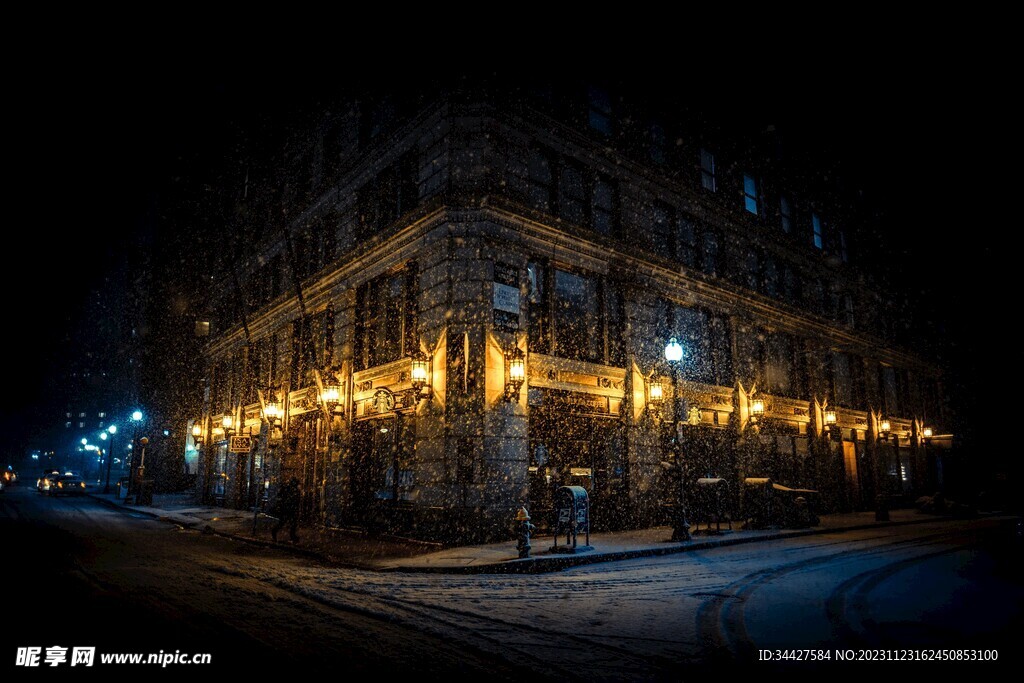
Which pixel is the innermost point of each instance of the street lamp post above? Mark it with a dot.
(681, 527)
(136, 418)
(112, 429)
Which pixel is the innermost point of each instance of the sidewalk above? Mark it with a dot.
(382, 553)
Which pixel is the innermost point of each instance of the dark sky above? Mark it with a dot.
(91, 154)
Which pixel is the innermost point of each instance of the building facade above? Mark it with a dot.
(455, 302)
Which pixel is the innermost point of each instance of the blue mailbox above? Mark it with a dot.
(572, 517)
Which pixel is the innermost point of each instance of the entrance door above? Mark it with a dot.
(850, 464)
(382, 475)
(577, 451)
(308, 467)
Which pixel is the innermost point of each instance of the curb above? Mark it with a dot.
(543, 565)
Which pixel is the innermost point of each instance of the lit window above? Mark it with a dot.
(81, 415)
(707, 170)
(102, 414)
(819, 240)
(67, 424)
(81, 424)
(786, 211)
(750, 193)
(69, 414)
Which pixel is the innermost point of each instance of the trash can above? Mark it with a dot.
(145, 495)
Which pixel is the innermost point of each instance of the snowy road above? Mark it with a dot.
(940, 583)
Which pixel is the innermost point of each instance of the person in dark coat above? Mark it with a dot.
(288, 509)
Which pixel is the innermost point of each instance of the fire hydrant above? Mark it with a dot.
(523, 529)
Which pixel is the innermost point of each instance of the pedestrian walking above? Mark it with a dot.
(287, 509)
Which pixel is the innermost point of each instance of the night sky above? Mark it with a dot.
(92, 154)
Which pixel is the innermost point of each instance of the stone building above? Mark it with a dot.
(458, 299)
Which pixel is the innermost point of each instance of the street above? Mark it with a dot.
(79, 573)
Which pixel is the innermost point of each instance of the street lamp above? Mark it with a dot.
(111, 430)
(674, 355)
(136, 419)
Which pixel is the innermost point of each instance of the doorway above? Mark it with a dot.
(382, 475)
(567, 450)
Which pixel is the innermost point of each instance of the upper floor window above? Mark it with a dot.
(686, 242)
(386, 318)
(818, 230)
(786, 213)
(707, 170)
(572, 194)
(392, 193)
(662, 227)
(750, 194)
(709, 252)
(604, 206)
(705, 341)
(778, 363)
(574, 315)
(541, 181)
(599, 110)
(842, 382)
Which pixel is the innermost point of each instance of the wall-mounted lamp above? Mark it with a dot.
(515, 373)
(830, 418)
(419, 375)
(884, 428)
(227, 424)
(197, 433)
(756, 410)
(331, 396)
(272, 409)
(655, 392)
(928, 432)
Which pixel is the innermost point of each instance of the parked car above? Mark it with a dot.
(68, 485)
(47, 479)
(9, 476)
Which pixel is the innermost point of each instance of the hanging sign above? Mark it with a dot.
(240, 444)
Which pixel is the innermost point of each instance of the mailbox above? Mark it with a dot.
(710, 503)
(572, 517)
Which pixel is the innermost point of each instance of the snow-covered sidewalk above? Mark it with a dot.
(350, 547)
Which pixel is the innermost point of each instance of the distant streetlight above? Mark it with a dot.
(136, 423)
(112, 429)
